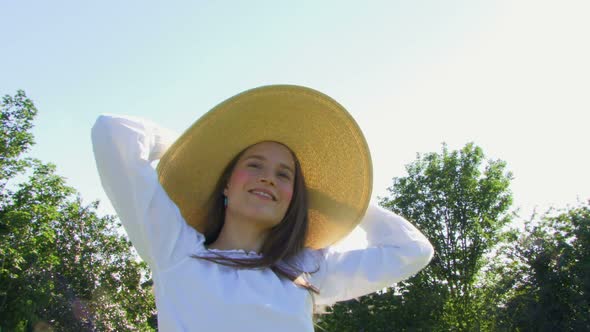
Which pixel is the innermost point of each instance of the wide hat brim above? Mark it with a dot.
(330, 146)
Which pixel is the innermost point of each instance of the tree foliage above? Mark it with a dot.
(544, 275)
(16, 119)
(62, 266)
(460, 202)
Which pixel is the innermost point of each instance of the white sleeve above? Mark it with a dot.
(124, 148)
(395, 250)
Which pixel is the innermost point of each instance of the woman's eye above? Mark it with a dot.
(285, 175)
(254, 165)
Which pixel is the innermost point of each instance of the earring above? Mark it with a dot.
(225, 201)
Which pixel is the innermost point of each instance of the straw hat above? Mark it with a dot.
(330, 146)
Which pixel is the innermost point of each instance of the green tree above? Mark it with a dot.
(16, 119)
(545, 276)
(368, 313)
(460, 202)
(61, 264)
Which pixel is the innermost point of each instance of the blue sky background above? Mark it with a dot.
(511, 76)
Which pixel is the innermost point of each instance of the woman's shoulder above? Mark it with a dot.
(307, 260)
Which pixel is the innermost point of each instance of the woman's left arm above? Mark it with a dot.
(395, 250)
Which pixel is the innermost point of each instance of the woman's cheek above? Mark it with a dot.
(288, 194)
(240, 176)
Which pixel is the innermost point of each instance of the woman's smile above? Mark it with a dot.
(263, 194)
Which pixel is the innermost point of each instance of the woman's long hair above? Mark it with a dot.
(284, 240)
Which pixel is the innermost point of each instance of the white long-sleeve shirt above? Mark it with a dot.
(198, 295)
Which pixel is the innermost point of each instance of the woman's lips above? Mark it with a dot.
(262, 194)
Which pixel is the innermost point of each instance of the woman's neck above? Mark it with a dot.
(239, 234)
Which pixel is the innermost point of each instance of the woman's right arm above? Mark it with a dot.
(124, 148)
(396, 250)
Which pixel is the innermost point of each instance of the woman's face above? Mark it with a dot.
(261, 184)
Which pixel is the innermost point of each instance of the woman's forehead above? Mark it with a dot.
(270, 150)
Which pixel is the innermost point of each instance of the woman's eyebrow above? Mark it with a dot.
(256, 156)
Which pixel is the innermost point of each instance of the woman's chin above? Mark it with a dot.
(266, 218)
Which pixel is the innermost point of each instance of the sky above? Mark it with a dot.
(511, 76)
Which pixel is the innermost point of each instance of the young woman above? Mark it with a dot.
(237, 222)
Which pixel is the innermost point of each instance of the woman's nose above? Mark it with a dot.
(267, 179)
